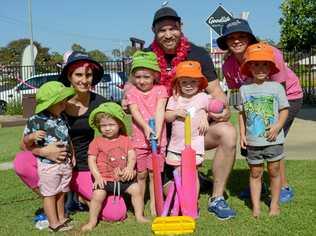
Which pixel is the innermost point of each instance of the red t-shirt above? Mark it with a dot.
(110, 154)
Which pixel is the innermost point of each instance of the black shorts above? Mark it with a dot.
(109, 187)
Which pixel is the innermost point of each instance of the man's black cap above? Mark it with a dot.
(165, 13)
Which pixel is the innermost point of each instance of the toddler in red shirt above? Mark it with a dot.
(112, 161)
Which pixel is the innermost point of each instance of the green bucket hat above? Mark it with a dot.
(147, 60)
(112, 109)
(50, 94)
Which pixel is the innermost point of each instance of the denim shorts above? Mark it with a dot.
(257, 155)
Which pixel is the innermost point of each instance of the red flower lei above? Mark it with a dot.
(181, 55)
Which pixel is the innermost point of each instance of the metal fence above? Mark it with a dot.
(15, 81)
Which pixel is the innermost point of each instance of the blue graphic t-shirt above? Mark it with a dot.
(261, 104)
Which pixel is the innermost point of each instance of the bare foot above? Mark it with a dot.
(88, 227)
(274, 211)
(256, 212)
(142, 219)
(153, 210)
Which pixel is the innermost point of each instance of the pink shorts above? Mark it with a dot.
(53, 178)
(144, 159)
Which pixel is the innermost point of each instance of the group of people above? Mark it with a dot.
(168, 80)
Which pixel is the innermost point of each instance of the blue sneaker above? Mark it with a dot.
(40, 217)
(286, 194)
(220, 208)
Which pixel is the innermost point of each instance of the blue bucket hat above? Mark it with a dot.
(233, 26)
(79, 56)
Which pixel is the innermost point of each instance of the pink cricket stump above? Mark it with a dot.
(168, 200)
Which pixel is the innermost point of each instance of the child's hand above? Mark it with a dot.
(128, 174)
(181, 113)
(243, 141)
(272, 132)
(99, 183)
(148, 131)
(118, 173)
(38, 135)
(203, 125)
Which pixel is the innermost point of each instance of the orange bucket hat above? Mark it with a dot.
(259, 52)
(190, 69)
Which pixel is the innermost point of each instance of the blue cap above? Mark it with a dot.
(79, 56)
(233, 26)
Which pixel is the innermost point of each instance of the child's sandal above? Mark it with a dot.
(67, 221)
(60, 228)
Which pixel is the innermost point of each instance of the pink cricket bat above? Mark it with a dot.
(188, 200)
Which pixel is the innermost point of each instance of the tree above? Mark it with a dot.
(77, 47)
(298, 24)
(129, 51)
(116, 53)
(98, 55)
(12, 53)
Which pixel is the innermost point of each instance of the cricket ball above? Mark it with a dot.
(215, 106)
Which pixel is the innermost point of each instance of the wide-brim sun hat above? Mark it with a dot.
(191, 69)
(112, 109)
(147, 60)
(165, 13)
(76, 57)
(50, 94)
(258, 52)
(234, 26)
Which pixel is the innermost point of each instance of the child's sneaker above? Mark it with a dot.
(220, 208)
(40, 217)
(286, 194)
(42, 224)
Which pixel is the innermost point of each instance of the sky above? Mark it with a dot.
(105, 24)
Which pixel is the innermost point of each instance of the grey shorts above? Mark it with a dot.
(257, 155)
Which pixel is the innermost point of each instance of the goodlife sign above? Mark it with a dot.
(219, 17)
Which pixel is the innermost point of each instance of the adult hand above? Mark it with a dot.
(221, 117)
(55, 152)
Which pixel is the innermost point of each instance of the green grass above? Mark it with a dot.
(18, 204)
(9, 142)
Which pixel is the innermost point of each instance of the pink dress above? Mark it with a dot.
(193, 105)
(146, 104)
(234, 79)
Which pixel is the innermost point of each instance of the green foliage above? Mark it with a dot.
(78, 48)
(98, 55)
(14, 107)
(298, 24)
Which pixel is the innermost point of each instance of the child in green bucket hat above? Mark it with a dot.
(112, 160)
(45, 127)
(146, 99)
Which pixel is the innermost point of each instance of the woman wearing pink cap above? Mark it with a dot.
(236, 38)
